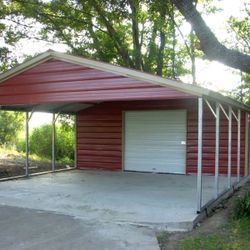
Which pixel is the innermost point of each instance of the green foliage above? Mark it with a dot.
(242, 207)
(242, 93)
(240, 27)
(138, 34)
(40, 142)
(203, 242)
(11, 123)
(67, 122)
(232, 236)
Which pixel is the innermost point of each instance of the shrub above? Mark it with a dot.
(242, 207)
(20, 145)
(41, 144)
(40, 141)
(11, 124)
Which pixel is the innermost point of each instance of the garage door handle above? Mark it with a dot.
(183, 143)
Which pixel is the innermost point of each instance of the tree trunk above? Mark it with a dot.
(134, 5)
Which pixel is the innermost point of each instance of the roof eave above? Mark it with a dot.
(142, 76)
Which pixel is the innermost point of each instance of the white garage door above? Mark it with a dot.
(155, 141)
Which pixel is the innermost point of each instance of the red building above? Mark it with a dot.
(132, 121)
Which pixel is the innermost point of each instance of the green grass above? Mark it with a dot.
(235, 235)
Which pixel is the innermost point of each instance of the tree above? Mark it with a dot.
(210, 45)
(240, 27)
(7, 38)
(136, 34)
(11, 123)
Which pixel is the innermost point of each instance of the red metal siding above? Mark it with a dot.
(100, 135)
(209, 143)
(99, 138)
(57, 81)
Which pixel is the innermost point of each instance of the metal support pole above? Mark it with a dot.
(53, 161)
(217, 151)
(229, 150)
(199, 163)
(27, 144)
(75, 142)
(238, 147)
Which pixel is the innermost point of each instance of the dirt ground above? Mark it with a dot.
(220, 216)
(13, 164)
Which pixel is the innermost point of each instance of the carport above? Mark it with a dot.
(130, 121)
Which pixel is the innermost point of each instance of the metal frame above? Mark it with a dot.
(238, 119)
(28, 117)
(216, 114)
(229, 146)
(75, 142)
(238, 145)
(199, 163)
(53, 155)
(217, 151)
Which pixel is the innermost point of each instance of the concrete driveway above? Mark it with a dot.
(95, 210)
(29, 229)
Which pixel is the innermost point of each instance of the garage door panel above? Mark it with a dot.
(155, 141)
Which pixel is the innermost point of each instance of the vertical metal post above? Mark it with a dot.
(53, 142)
(238, 147)
(75, 141)
(229, 150)
(217, 149)
(246, 145)
(199, 163)
(27, 144)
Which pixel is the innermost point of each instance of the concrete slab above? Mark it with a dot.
(156, 200)
(29, 229)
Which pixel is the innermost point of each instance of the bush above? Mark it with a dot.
(20, 145)
(11, 124)
(242, 207)
(41, 143)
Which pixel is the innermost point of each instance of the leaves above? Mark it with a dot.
(11, 124)
(131, 33)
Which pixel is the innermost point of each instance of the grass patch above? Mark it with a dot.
(242, 207)
(235, 235)
(209, 242)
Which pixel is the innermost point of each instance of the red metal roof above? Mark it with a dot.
(54, 77)
(56, 81)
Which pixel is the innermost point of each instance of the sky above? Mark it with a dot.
(212, 75)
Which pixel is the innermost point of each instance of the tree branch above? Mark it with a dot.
(134, 5)
(210, 45)
(121, 49)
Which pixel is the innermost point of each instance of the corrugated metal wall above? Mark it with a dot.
(57, 81)
(100, 135)
(209, 142)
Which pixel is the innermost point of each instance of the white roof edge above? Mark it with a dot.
(177, 85)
